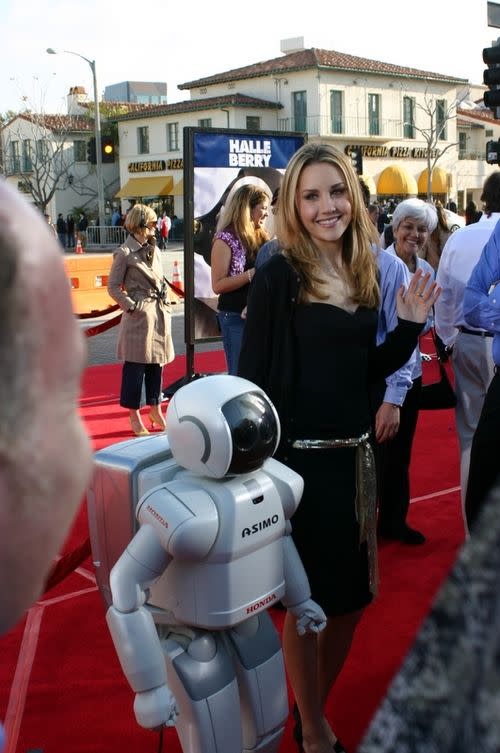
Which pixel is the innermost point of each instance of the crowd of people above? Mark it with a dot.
(328, 325)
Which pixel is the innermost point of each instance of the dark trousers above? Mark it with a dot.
(393, 466)
(484, 465)
(133, 377)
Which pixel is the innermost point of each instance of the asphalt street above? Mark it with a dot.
(102, 347)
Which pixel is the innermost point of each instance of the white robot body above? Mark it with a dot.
(239, 568)
(208, 553)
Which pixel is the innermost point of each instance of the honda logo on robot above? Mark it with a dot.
(262, 604)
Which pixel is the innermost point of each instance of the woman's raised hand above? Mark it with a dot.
(416, 303)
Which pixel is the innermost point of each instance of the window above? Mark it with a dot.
(42, 150)
(172, 137)
(336, 112)
(205, 122)
(408, 118)
(441, 119)
(374, 114)
(80, 151)
(26, 165)
(299, 105)
(143, 140)
(14, 157)
(462, 145)
(253, 123)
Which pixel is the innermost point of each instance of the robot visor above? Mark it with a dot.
(254, 431)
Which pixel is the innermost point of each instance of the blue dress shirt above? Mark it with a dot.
(482, 293)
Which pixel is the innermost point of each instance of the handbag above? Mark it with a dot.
(438, 395)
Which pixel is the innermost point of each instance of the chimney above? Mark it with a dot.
(76, 96)
(295, 44)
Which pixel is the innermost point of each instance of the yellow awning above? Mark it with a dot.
(395, 181)
(137, 188)
(179, 188)
(439, 181)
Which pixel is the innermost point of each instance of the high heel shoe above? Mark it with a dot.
(138, 427)
(297, 733)
(157, 418)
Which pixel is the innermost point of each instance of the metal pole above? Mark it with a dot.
(98, 150)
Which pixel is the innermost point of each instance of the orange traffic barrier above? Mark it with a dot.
(79, 248)
(88, 278)
(176, 277)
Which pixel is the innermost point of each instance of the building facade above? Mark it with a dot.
(403, 120)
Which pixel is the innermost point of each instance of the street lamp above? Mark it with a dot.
(98, 151)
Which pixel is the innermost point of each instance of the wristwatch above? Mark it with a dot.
(132, 308)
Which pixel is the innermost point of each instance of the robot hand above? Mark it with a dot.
(310, 617)
(155, 708)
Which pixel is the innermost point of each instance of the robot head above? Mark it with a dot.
(221, 425)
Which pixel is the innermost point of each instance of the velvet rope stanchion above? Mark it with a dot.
(91, 331)
(95, 314)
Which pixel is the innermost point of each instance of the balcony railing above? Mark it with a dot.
(350, 127)
(472, 155)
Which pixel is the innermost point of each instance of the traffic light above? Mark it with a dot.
(356, 156)
(491, 78)
(107, 150)
(493, 152)
(91, 151)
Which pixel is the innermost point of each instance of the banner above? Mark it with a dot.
(216, 163)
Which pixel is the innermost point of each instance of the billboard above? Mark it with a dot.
(216, 163)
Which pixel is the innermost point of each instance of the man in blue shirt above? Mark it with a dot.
(482, 310)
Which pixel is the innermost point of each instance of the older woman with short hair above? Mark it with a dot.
(413, 221)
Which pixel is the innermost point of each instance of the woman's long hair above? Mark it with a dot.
(358, 259)
(237, 216)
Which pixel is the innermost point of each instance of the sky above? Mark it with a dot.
(183, 41)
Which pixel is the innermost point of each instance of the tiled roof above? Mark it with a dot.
(193, 105)
(317, 58)
(484, 115)
(58, 122)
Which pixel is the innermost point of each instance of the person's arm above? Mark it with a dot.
(116, 280)
(220, 263)
(445, 308)
(255, 354)
(482, 293)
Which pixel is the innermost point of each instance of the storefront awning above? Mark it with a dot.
(439, 181)
(137, 188)
(395, 181)
(179, 188)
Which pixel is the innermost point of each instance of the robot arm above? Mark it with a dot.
(133, 630)
(297, 597)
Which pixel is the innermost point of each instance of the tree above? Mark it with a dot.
(439, 113)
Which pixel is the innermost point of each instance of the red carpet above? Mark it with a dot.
(61, 688)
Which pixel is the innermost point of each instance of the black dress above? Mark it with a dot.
(316, 362)
(330, 400)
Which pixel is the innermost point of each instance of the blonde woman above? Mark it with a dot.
(136, 283)
(240, 234)
(310, 343)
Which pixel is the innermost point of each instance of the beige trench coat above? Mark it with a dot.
(145, 335)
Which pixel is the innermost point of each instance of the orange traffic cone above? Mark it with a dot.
(176, 277)
(79, 248)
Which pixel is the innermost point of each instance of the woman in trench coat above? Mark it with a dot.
(136, 283)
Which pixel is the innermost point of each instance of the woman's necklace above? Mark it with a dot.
(411, 261)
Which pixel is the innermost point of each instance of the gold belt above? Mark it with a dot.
(366, 492)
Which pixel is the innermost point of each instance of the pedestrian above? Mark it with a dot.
(239, 236)
(62, 229)
(470, 348)
(481, 311)
(137, 283)
(310, 343)
(413, 221)
(70, 229)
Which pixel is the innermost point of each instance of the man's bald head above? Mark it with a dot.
(44, 451)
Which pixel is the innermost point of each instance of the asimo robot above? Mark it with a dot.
(206, 514)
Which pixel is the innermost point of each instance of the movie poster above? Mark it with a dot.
(216, 163)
